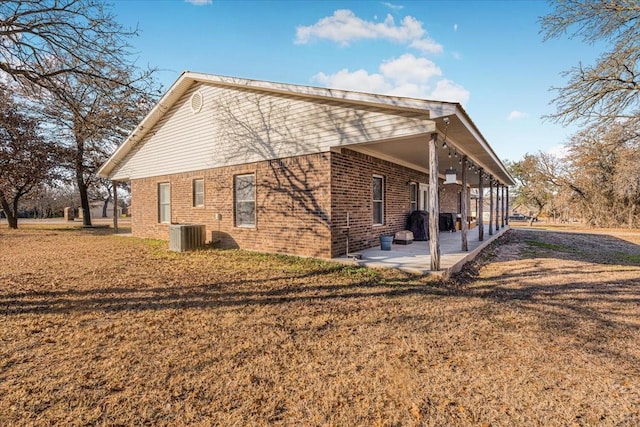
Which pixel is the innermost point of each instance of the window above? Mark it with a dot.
(198, 192)
(164, 202)
(245, 192)
(413, 197)
(423, 196)
(378, 200)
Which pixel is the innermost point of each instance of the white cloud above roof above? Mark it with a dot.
(344, 27)
(406, 75)
(393, 6)
(426, 45)
(199, 2)
(409, 68)
(447, 90)
(516, 115)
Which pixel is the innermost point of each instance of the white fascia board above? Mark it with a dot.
(385, 101)
(471, 127)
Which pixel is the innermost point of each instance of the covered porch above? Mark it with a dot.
(458, 161)
(415, 258)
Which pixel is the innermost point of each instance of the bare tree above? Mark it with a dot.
(609, 89)
(49, 200)
(603, 174)
(535, 185)
(91, 120)
(73, 57)
(41, 40)
(27, 160)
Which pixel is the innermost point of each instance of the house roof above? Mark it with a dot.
(460, 128)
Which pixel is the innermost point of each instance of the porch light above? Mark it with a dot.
(450, 176)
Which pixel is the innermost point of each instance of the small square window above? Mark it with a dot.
(198, 192)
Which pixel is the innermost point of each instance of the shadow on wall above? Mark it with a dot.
(257, 124)
(222, 240)
(295, 194)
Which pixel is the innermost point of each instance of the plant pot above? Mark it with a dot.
(385, 242)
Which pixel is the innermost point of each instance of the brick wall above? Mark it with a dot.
(292, 206)
(351, 187)
(295, 210)
(449, 196)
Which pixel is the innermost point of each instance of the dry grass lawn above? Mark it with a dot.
(97, 329)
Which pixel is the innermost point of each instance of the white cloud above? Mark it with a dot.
(426, 45)
(199, 2)
(404, 76)
(516, 115)
(359, 80)
(344, 27)
(446, 90)
(455, 27)
(408, 68)
(393, 6)
(558, 151)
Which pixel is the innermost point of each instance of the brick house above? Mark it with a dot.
(279, 168)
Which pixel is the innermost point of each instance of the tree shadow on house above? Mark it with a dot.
(293, 136)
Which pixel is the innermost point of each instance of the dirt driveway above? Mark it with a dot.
(544, 329)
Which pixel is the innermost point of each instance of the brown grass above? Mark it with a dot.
(98, 329)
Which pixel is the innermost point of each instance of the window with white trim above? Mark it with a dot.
(164, 202)
(413, 197)
(378, 200)
(245, 200)
(198, 192)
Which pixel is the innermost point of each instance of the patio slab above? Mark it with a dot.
(415, 258)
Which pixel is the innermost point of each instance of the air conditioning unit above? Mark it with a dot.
(186, 237)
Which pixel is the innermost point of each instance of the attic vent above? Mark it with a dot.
(196, 102)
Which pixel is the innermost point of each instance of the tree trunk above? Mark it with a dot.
(82, 186)
(12, 215)
(490, 206)
(480, 220)
(105, 206)
(464, 207)
(84, 201)
(434, 204)
(632, 212)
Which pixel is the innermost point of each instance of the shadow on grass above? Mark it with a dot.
(582, 285)
(591, 311)
(227, 294)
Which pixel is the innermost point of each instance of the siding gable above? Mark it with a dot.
(242, 125)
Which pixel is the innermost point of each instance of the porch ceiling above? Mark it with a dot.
(462, 138)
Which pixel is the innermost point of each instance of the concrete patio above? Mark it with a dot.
(415, 257)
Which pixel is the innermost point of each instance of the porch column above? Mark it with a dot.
(115, 206)
(490, 206)
(503, 211)
(480, 206)
(497, 217)
(464, 207)
(434, 203)
(507, 219)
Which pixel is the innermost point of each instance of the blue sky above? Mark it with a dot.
(487, 55)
